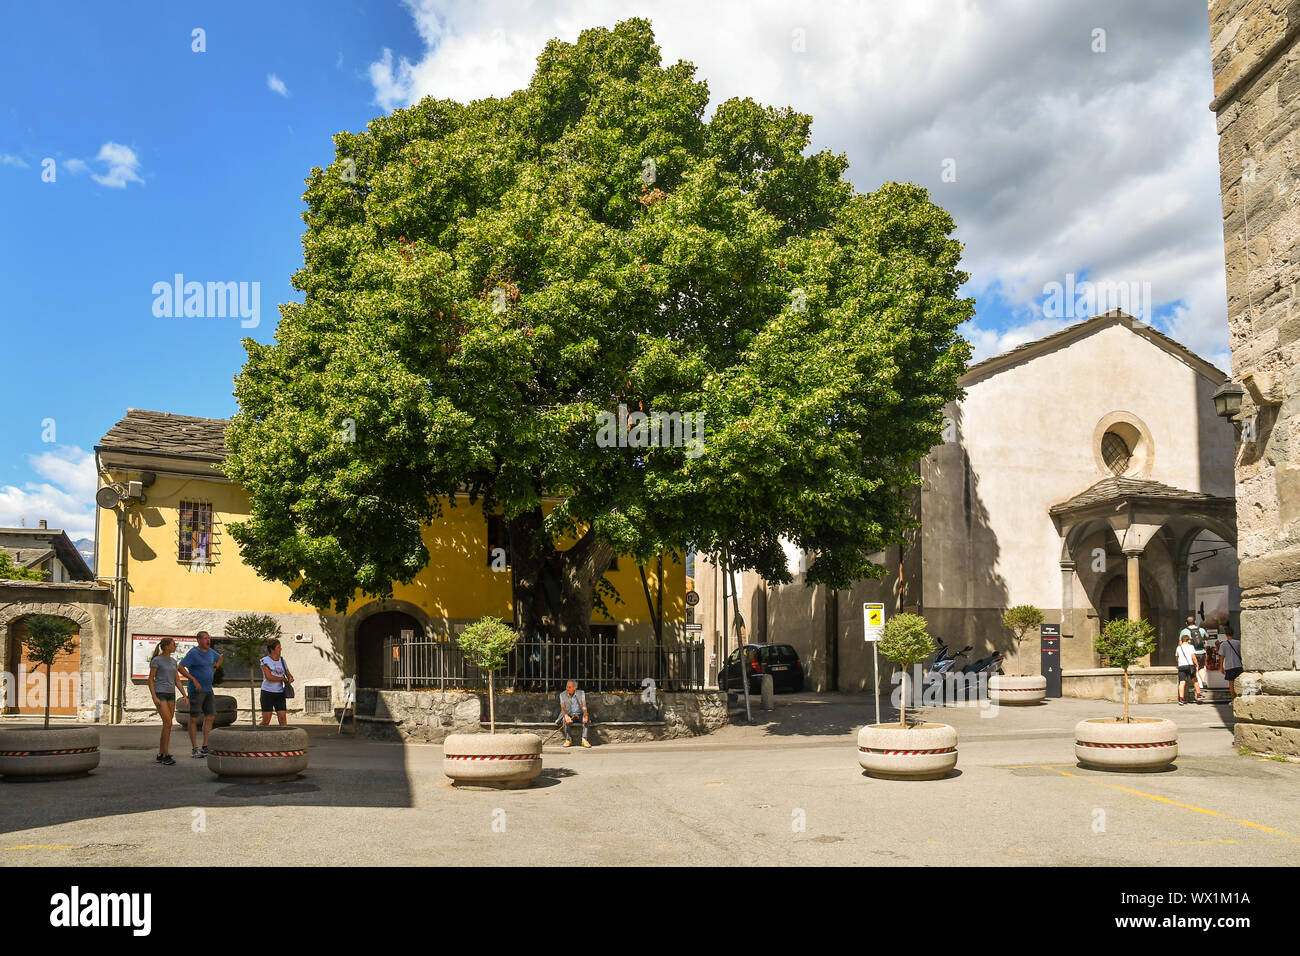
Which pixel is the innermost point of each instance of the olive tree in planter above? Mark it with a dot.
(255, 754)
(1019, 688)
(1126, 743)
(509, 761)
(246, 638)
(48, 753)
(896, 751)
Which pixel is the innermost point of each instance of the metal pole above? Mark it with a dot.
(875, 656)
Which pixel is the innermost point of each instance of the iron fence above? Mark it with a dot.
(546, 665)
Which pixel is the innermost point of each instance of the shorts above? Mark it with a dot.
(167, 695)
(203, 702)
(1232, 673)
(273, 701)
(1186, 672)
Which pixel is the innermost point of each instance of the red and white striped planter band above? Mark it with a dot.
(264, 753)
(493, 756)
(46, 753)
(1019, 690)
(1162, 743)
(907, 753)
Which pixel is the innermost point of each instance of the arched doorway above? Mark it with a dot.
(371, 634)
(64, 679)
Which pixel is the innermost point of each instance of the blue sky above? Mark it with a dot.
(166, 160)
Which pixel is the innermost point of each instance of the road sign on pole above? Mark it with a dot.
(873, 623)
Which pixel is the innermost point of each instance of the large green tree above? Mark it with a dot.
(483, 280)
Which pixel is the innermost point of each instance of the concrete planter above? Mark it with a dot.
(506, 761)
(1142, 745)
(58, 753)
(227, 711)
(257, 754)
(1017, 690)
(926, 752)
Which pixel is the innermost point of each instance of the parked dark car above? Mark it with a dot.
(779, 660)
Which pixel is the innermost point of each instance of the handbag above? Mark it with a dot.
(288, 687)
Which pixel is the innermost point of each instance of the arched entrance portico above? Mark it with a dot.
(371, 625)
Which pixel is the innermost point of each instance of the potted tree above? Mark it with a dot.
(1019, 688)
(1125, 743)
(509, 761)
(48, 753)
(895, 751)
(255, 753)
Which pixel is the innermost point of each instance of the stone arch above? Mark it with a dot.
(361, 614)
(10, 613)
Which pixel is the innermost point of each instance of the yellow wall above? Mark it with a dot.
(457, 583)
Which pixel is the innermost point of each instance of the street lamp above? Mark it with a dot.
(1227, 400)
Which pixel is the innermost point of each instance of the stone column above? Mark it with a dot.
(1134, 586)
(1067, 598)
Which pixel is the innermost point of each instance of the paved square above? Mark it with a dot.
(788, 791)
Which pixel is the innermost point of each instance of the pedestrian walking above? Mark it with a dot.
(163, 688)
(1186, 665)
(1230, 649)
(1196, 635)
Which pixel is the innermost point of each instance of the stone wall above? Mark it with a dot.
(429, 716)
(1147, 685)
(1256, 65)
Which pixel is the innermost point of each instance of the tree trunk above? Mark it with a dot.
(1126, 720)
(902, 703)
(48, 668)
(492, 705)
(252, 695)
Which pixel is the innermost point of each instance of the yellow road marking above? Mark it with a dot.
(1172, 803)
(40, 846)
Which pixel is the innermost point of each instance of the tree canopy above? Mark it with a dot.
(483, 281)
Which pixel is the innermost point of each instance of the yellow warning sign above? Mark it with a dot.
(875, 616)
(873, 621)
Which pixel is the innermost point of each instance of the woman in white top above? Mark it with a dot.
(275, 678)
(1186, 666)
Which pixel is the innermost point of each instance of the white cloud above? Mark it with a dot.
(75, 166)
(64, 497)
(1104, 165)
(276, 85)
(122, 166)
(7, 160)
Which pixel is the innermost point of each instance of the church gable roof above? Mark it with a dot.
(1072, 333)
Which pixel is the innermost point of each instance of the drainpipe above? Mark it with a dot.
(117, 648)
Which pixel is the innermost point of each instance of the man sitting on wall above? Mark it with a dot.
(573, 712)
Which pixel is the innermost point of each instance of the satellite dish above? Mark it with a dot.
(107, 497)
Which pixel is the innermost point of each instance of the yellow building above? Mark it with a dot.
(166, 543)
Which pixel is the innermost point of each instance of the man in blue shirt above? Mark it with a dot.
(198, 666)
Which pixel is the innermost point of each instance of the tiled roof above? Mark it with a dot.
(1028, 349)
(1115, 488)
(44, 542)
(162, 433)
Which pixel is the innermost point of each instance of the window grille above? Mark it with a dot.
(197, 534)
(318, 700)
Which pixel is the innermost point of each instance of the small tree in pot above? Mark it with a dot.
(1020, 620)
(896, 751)
(246, 638)
(487, 643)
(1133, 744)
(47, 637)
(1123, 642)
(905, 640)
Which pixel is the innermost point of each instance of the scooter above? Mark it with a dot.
(944, 661)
